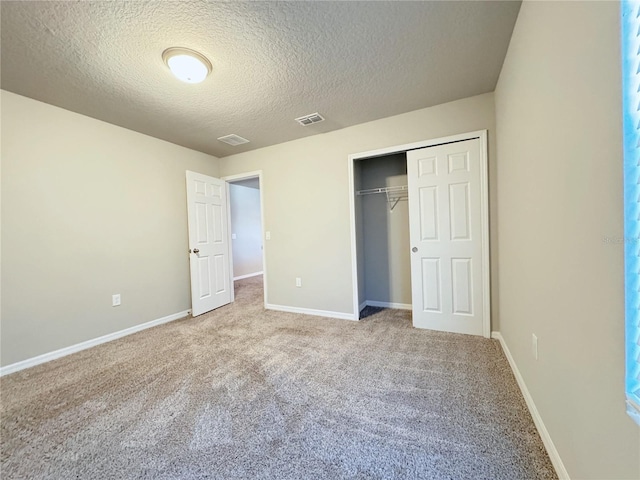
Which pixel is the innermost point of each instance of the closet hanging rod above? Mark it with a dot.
(394, 194)
(400, 189)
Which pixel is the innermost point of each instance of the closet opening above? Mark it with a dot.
(382, 232)
(420, 232)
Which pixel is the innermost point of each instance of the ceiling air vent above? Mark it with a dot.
(233, 140)
(310, 119)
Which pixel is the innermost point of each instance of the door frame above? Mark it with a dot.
(246, 176)
(484, 209)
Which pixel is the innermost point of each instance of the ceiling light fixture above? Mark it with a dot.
(186, 64)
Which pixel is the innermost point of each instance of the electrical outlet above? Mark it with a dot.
(233, 236)
(298, 282)
(115, 300)
(267, 235)
(534, 346)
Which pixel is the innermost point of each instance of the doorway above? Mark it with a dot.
(448, 248)
(246, 232)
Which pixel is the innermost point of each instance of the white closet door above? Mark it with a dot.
(446, 233)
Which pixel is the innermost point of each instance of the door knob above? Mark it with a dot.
(414, 249)
(195, 250)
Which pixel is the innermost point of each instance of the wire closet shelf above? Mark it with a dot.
(394, 194)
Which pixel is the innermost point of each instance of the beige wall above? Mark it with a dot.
(247, 228)
(385, 233)
(88, 210)
(306, 197)
(558, 109)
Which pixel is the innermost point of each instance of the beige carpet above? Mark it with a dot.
(244, 393)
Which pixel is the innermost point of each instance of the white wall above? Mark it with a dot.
(88, 210)
(247, 228)
(306, 198)
(559, 118)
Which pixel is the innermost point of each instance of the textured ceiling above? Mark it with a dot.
(272, 62)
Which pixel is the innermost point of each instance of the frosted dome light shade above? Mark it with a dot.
(188, 69)
(187, 65)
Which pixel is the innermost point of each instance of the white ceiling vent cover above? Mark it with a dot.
(233, 140)
(310, 119)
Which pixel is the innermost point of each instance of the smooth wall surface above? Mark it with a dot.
(559, 118)
(247, 228)
(306, 198)
(88, 210)
(385, 233)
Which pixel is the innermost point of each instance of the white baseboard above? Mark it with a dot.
(63, 352)
(362, 305)
(309, 311)
(561, 471)
(400, 306)
(248, 275)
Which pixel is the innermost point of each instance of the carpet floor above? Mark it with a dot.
(244, 393)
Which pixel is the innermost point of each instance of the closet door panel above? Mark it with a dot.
(445, 219)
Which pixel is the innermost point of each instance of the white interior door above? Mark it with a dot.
(208, 242)
(446, 234)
